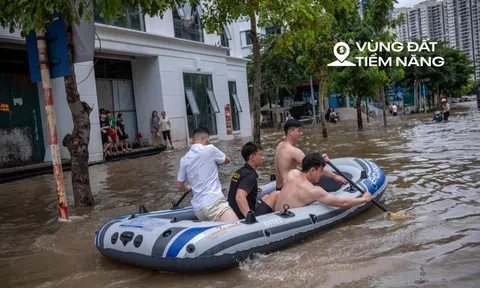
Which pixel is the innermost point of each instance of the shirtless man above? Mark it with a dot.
(299, 190)
(288, 156)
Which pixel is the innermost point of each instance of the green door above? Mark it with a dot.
(21, 95)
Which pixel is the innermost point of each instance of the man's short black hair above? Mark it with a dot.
(199, 131)
(312, 160)
(292, 124)
(119, 115)
(250, 148)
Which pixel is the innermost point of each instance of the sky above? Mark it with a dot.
(407, 3)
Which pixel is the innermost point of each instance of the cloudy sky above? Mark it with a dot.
(407, 3)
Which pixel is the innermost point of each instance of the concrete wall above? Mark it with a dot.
(64, 122)
(158, 77)
(17, 147)
(160, 26)
(237, 72)
(171, 77)
(147, 91)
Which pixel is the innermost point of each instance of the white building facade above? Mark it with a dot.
(145, 64)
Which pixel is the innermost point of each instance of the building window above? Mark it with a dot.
(186, 23)
(236, 108)
(273, 30)
(201, 102)
(131, 18)
(248, 40)
(225, 37)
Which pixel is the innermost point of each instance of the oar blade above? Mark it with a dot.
(398, 216)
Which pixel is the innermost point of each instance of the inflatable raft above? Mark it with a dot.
(174, 240)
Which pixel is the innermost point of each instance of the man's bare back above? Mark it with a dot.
(295, 191)
(287, 158)
(298, 191)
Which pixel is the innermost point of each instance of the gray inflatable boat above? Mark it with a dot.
(174, 240)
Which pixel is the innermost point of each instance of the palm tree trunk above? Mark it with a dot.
(257, 82)
(77, 142)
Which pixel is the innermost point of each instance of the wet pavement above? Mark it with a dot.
(433, 171)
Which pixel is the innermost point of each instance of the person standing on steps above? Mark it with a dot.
(166, 127)
(122, 134)
(112, 131)
(155, 129)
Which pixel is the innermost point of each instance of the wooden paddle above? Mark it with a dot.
(393, 215)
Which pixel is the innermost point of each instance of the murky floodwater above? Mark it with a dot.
(433, 171)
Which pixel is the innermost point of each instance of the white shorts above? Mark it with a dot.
(213, 211)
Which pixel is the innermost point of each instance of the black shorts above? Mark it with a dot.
(166, 134)
(278, 189)
(261, 208)
(104, 137)
(123, 137)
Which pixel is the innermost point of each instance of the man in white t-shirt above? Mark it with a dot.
(199, 167)
(394, 109)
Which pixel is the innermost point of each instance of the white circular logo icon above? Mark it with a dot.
(341, 51)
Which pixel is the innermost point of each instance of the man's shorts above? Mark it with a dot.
(261, 208)
(213, 211)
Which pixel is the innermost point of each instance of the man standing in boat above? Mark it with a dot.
(299, 189)
(288, 156)
(199, 167)
(242, 195)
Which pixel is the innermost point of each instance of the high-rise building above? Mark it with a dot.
(456, 22)
(464, 29)
(423, 21)
(402, 30)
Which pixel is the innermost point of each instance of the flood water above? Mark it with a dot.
(433, 171)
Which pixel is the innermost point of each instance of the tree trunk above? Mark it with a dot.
(321, 106)
(257, 79)
(51, 122)
(366, 110)
(77, 142)
(359, 112)
(269, 96)
(382, 96)
(277, 117)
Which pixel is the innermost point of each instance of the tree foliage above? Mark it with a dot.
(278, 71)
(451, 79)
(38, 14)
(374, 25)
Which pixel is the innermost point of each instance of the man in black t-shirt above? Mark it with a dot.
(242, 196)
(104, 128)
